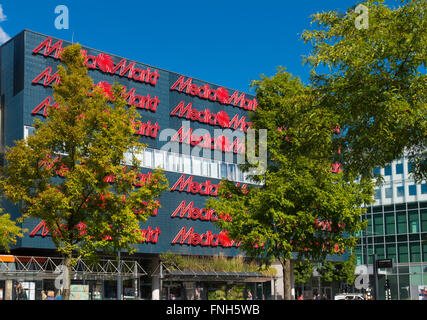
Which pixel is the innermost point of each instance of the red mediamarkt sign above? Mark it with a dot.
(205, 239)
(220, 94)
(205, 188)
(221, 118)
(150, 234)
(186, 135)
(102, 62)
(191, 212)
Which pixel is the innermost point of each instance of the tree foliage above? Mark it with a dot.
(373, 79)
(79, 172)
(9, 231)
(302, 206)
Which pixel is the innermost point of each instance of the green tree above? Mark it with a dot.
(301, 205)
(59, 174)
(9, 231)
(374, 80)
(303, 271)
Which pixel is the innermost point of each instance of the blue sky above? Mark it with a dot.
(228, 43)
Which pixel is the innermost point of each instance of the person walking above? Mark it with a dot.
(249, 295)
(20, 292)
(44, 295)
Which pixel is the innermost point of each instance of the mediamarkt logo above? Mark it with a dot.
(205, 239)
(102, 61)
(220, 94)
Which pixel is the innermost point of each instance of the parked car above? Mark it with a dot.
(349, 296)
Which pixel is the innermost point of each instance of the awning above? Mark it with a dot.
(38, 268)
(199, 275)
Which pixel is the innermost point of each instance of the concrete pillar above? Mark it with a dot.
(156, 287)
(8, 290)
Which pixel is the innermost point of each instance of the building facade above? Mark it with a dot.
(177, 111)
(397, 229)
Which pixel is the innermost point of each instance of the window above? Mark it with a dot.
(214, 169)
(389, 223)
(424, 188)
(387, 170)
(206, 167)
(377, 171)
(378, 194)
(379, 250)
(424, 252)
(389, 193)
(391, 251)
(402, 249)
(423, 214)
(399, 168)
(409, 167)
(401, 222)
(197, 166)
(378, 225)
(400, 191)
(159, 159)
(413, 222)
(412, 190)
(415, 252)
(187, 164)
(148, 158)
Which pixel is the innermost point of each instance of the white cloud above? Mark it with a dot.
(2, 15)
(3, 36)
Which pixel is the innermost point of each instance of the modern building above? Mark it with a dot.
(176, 111)
(397, 229)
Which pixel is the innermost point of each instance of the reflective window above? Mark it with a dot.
(400, 191)
(387, 170)
(389, 193)
(412, 190)
(399, 168)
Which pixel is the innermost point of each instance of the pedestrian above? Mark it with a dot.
(249, 295)
(59, 295)
(324, 297)
(314, 297)
(44, 295)
(318, 296)
(300, 297)
(20, 292)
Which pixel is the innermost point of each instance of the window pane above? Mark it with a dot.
(378, 225)
(401, 222)
(378, 194)
(425, 253)
(159, 159)
(148, 158)
(391, 251)
(403, 252)
(206, 167)
(214, 169)
(197, 166)
(399, 168)
(387, 170)
(415, 252)
(412, 190)
(423, 213)
(389, 223)
(413, 222)
(223, 170)
(187, 164)
(389, 193)
(379, 250)
(400, 191)
(424, 188)
(377, 171)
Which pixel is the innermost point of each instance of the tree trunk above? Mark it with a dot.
(66, 279)
(287, 285)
